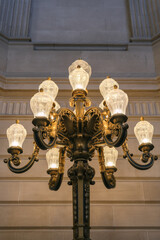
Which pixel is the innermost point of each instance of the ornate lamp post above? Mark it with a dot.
(79, 134)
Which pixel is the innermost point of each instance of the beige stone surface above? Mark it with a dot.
(31, 215)
(117, 234)
(47, 234)
(28, 209)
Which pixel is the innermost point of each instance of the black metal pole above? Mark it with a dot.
(81, 175)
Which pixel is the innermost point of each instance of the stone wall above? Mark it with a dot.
(42, 38)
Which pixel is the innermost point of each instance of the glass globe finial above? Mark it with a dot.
(144, 131)
(107, 85)
(110, 156)
(16, 134)
(117, 101)
(79, 74)
(52, 157)
(41, 104)
(50, 88)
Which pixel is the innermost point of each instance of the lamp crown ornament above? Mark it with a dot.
(77, 134)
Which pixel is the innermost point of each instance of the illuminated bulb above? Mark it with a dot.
(117, 101)
(79, 74)
(41, 104)
(16, 135)
(107, 85)
(52, 157)
(50, 88)
(110, 156)
(144, 132)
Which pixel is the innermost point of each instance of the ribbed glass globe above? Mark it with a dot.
(117, 101)
(110, 156)
(107, 85)
(49, 87)
(52, 157)
(16, 135)
(41, 104)
(144, 132)
(79, 74)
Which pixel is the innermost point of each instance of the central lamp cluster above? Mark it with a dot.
(113, 114)
(79, 133)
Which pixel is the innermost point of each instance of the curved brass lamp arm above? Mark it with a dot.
(57, 175)
(40, 134)
(107, 174)
(121, 134)
(14, 159)
(145, 157)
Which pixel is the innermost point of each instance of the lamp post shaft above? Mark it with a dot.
(81, 175)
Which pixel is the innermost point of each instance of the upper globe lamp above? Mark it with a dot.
(50, 88)
(16, 135)
(52, 157)
(41, 104)
(107, 85)
(144, 132)
(79, 74)
(117, 101)
(110, 156)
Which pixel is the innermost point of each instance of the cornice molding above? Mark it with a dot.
(31, 81)
(135, 108)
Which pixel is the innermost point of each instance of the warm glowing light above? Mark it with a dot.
(144, 132)
(107, 85)
(41, 104)
(110, 156)
(79, 74)
(117, 101)
(109, 164)
(15, 144)
(50, 88)
(16, 135)
(52, 157)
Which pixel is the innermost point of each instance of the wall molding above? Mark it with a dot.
(135, 108)
(145, 22)
(14, 19)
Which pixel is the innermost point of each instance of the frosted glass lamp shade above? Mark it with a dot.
(117, 101)
(50, 88)
(52, 157)
(107, 85)
(110, 156)
(79, 74)
(16, 135)
(41, 104)
(144, 132)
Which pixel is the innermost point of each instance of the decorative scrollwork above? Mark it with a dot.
(66, 123)
(55, 180)
(146, 157)
(15, 158)
(93, 121)
(116, 135)
(41, 134)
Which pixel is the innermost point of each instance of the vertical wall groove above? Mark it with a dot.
(14, 18)
(145, 18)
